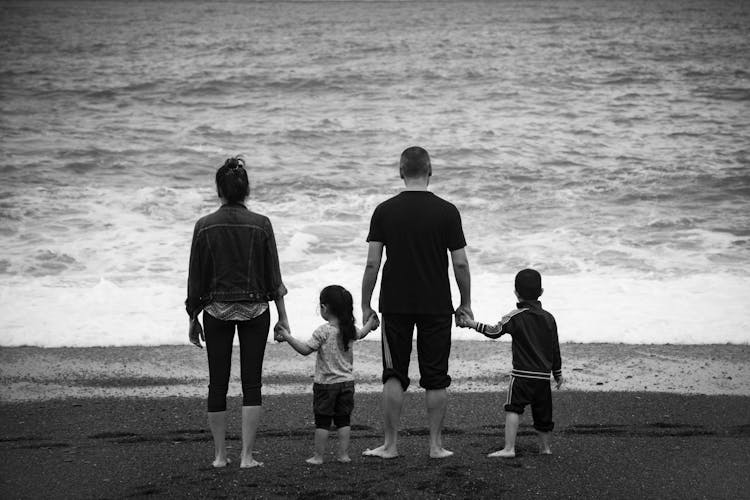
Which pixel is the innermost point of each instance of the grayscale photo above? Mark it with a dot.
(410, 249)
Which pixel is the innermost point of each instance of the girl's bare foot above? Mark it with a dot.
(440, 453)
(380, 452)
(249, 463)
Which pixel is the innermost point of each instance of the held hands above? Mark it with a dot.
(195, 333)
(465, 317)
(281, 331)
(372, 323)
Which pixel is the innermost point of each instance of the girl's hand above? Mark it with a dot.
(281, 331)
(195, 333)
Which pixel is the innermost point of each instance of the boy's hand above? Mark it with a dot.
(464, 321)
(195, 333)
(559, 382)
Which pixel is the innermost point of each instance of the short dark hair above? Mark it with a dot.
(529, 284)
(232, 183)
(415, 162)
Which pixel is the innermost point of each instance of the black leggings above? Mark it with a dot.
(219, 337)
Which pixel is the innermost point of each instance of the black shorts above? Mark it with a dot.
(433, 348)
(534, 392)
(333, 400)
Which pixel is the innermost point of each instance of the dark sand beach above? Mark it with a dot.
(669, 422)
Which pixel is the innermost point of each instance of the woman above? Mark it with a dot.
(234, 273)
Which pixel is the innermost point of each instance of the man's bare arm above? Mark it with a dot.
(374, 257)
(463, 280)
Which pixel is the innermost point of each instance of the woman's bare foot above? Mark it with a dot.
(381, 452)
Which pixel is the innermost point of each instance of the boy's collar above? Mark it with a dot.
(529, 303)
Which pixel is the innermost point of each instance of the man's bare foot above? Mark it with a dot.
(503, 454)
(221, 462)
(380, 452)
(344, 459)
(440, 453)
(250, 463)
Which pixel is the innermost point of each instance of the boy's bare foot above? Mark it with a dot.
(380, 452)
(250, 463)
(315, 460)
(503, 454)
(440, 453)
(344, 459)
(221, 462)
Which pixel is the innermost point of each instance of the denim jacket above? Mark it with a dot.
(233, 258)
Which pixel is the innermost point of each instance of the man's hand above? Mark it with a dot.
(372, 323)
(195, 333)
(464, 317)
(559, 382)
(367, 313)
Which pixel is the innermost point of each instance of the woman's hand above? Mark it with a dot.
(195, 333)
(281, 327)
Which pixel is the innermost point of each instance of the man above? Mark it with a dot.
(418, 229)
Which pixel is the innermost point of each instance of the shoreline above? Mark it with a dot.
(38, 374)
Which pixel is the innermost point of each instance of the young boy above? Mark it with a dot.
(536, 353)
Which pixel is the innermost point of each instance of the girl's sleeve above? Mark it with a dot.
(318, 338)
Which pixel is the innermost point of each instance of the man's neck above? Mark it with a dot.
(416, 184)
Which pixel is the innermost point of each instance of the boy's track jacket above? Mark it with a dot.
(536, 350)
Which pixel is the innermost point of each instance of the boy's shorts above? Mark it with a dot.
(534, 392)
(433, 348)
(333, 400)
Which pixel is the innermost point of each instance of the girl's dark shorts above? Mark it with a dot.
(333, 399)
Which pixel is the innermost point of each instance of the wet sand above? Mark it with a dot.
(633, 422)
(30, 373)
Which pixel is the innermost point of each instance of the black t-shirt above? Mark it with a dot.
(418, 230)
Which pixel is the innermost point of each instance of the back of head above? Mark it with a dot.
(231, 181)
(529, 284)
(340, 303)
(415, 163)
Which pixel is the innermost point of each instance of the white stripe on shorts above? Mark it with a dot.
(386, 349)
(510, 389)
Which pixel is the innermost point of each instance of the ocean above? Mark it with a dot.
(605, 143)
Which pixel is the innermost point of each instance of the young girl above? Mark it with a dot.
(333, 388)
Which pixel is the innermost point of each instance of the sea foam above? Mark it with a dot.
(587, 307)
